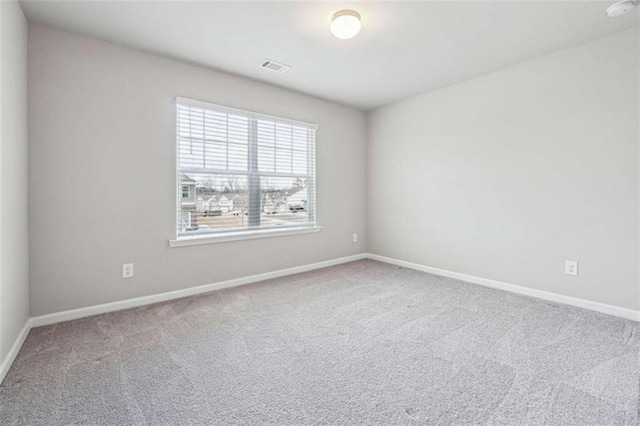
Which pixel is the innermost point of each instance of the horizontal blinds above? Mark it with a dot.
(208, 140)
(244, 113)
(282, 148)
(240, 170)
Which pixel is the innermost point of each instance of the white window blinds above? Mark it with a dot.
(241, 171)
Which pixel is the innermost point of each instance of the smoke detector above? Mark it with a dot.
(274, 66)
(620, 8)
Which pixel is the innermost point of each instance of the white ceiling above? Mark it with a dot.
(404, 48)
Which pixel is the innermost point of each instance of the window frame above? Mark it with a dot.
(252, 173)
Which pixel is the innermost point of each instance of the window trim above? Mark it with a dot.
(252, 233)
(196, 240)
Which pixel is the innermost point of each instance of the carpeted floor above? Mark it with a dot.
(361, 343)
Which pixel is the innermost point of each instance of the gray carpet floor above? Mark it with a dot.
(360, 343)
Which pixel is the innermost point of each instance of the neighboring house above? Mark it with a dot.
(223, 202)
(268, 205)
(213, 204)
(188, 207)
(238, 202)
(204, 202)
(201, 205)
(226, 205)
(282, 201)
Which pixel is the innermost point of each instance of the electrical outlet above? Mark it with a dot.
(355, 237)
(127, 270)
(571, 267)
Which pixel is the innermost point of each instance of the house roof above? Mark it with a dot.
(186, 179)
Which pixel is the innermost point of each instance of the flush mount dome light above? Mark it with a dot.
(345, 24)
(620, 8)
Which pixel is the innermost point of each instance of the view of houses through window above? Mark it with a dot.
(238, 172)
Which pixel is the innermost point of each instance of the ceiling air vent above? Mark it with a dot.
(270, 65)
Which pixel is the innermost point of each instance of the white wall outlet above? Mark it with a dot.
(355, 237)
(571, 267)
(127, 270)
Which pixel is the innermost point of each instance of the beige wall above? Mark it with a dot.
(102, 174)
(508, 175)
(14, 279)
(504, 177)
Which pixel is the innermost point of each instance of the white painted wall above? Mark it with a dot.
(102, 174)
(14, 279)
(508, 175)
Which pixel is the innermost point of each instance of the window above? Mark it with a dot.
(241, 172)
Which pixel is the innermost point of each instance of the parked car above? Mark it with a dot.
(296, 208)
(213, 213)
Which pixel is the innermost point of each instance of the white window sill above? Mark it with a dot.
(239, 236)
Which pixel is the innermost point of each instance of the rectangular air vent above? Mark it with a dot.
(270, 65)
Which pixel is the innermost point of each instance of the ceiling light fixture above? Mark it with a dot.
(620, 8)
(345, 24)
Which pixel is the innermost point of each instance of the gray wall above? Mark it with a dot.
(508, 175)
(102, 174)
(14, 270)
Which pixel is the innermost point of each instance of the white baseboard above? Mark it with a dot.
(177, 294)
(13, 352)
(147, 300)
(553, 297)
